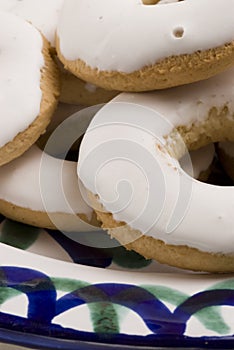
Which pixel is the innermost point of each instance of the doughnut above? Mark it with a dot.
(24, 193)
(225, 152)
(128, 163)
(43, 14)
(132, 46)
(77, 91)
(29, 84)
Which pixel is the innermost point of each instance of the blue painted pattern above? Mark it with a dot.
(44, 306)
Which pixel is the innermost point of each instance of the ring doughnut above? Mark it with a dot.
(136, 139)
(43, 14)
(126, 45)
(226, 156)
(23, 195)
(29, 86)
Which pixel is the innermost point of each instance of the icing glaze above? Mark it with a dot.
(43, 14)
(22, 184)
(19, 80)
(129, 26)
(124, 152)
(227, 147)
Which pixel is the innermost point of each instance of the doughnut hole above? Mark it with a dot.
(225, 156)
(199, 163)
(217, 127)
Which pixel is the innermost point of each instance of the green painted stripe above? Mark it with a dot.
(210, 317)
(103, 315)
(7, 294)
(18, 235)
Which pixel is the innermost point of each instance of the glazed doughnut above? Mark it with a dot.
(29, 85)
(76, 91)
(43, 14)
(225, 152)
(129, 46)
(24, 193)
(128, 163)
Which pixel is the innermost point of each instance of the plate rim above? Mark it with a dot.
(32, 339)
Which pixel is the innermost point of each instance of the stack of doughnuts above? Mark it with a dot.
(31, 110)
(162, 73)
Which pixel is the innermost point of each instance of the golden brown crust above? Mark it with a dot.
(50, 86)
(218, 126)
(77, 91)
(169, 72)
(180, 256)
(42, 219)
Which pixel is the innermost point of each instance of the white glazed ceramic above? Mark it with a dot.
(126, 301)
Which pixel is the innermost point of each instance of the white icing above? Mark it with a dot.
(125, 35)
(43, 14)
(22, 184)
(227, 147)
(190, 102)
(201, 160)
(21, 61)
(124, 161)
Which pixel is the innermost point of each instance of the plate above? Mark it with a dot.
(59, 294)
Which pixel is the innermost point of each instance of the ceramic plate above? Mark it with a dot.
(57, 293)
